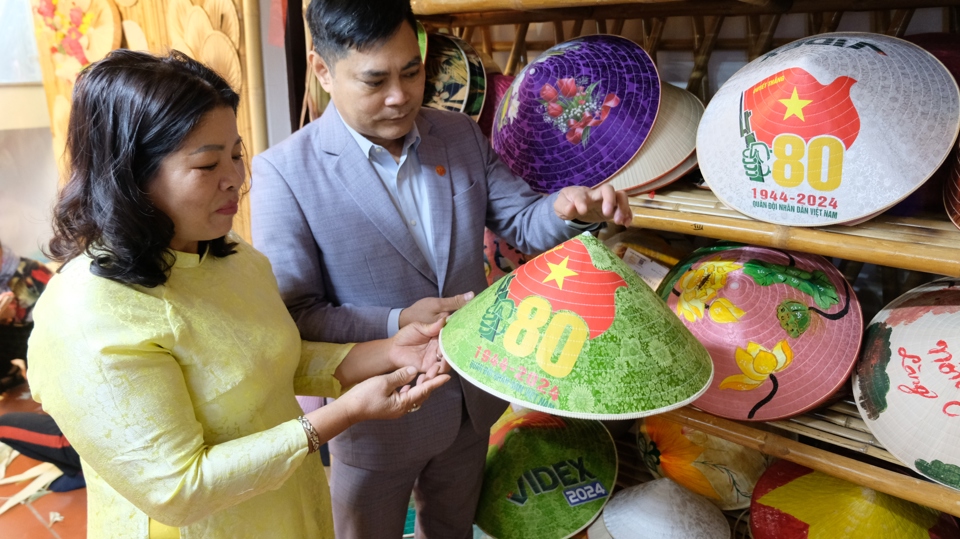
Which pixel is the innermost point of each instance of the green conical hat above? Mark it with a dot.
(575, 332)
(546, 476)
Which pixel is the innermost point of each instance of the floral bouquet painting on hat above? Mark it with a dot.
(573, 109)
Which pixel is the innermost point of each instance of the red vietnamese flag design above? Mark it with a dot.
(567, 278)
(793, 101)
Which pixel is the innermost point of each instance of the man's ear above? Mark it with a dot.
(320, 69)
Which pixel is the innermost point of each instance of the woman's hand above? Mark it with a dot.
(387, 396)
(8, 307)
(416, 345)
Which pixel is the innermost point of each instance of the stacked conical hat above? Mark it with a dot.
(828, 129)
(455, 78)
(575, 332)
(906, 383)
(783, 328)
(794, 502)
(546, 476)
(721, 471)
(670, 144)
(659, 509)
(578, 113)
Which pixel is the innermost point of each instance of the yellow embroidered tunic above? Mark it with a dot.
(180, 399)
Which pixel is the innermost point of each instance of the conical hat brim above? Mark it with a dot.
(763, 283)
(904, 395)
(568, 500)
(644, 362)
(536, 146)
(787, 488)
(671, 142)
(477, 81)
(447, 85)
(907, 105)
(684, 168)
(662, 509)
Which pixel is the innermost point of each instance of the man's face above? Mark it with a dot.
(377, 92)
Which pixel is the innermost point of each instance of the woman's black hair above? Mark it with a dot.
(336, 26)
(130, 110)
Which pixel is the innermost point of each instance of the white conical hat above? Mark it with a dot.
(671, 142)
(828, 129)
(662, 509)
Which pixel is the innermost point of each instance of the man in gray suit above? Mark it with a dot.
(373, 217)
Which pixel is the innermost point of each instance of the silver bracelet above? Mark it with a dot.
(313, 439)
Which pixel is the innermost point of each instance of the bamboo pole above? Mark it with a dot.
(577, 28)
(899, 22)
(765, 39)
(698, 77)
(467, 33)
(655, 37)
(519, 43)
(254, 75)
(487, 36)
(907, 255)
(617, 27)
(601, 26)
(831, 22)
(557, 32)
(892, 483)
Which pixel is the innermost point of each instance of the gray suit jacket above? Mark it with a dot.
(344, 258)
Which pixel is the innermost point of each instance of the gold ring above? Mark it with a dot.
(413, 408)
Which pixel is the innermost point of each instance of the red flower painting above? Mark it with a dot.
(574, 109)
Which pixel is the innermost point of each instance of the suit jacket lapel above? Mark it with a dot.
(357, 176)
(433, 160)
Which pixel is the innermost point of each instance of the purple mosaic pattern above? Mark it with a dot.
(527, 137)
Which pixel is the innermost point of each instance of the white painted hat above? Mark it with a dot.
(828, 129)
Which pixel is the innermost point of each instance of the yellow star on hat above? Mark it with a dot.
(795, 105)
(559, 271)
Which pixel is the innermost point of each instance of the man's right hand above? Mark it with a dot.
(429, 310)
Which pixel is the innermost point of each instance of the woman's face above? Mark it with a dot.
(198, 185)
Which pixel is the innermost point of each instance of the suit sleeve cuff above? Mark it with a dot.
(393, 322)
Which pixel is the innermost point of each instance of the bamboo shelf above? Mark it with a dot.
(929, 244)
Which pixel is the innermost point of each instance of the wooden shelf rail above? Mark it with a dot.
(895, 484)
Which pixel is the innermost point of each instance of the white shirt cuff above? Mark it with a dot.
(393, 322)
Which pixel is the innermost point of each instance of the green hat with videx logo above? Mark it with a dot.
(575, 332)
(546, 476)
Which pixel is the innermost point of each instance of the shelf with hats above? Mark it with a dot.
(929, 243)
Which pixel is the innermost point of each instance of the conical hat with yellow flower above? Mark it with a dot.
(576, 332)
(546, 476)
(721, 471)
(791, 501)
(783, 328)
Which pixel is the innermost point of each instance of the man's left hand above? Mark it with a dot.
(593, 205)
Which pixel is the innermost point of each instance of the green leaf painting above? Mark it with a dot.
(948, 474)
(816, 285)
(668, 282)
(872, 378)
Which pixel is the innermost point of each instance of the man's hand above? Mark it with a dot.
(429, 310)
(416, 345)
(593, 205)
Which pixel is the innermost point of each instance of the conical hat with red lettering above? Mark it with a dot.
(576, 332)
(907, 382)
(791, 501)
(783, 327)
(578, 113)
(828, 129)
(546, 476)
(660, 509)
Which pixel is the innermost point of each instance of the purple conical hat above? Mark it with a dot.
(783, 328)
(828, 129)
(907, 383)
(578, 113)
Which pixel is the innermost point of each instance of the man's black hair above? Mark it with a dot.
(340, 25)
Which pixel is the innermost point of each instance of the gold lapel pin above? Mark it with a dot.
(440, 170)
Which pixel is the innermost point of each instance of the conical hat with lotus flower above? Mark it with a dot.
(783, 328)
